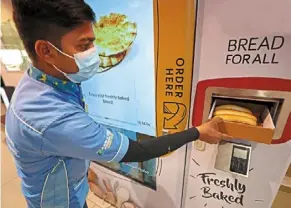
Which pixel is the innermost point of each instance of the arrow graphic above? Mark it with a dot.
(174, 114)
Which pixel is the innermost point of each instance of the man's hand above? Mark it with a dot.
(209, 132)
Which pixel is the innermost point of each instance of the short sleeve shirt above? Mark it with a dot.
(52, 139)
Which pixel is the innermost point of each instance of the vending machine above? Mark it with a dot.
(143, 91)
(242, 75)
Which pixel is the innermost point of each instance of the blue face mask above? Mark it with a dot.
(88, 63)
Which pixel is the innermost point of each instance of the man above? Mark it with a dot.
(49, 134)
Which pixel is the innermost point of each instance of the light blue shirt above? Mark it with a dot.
(53, 139)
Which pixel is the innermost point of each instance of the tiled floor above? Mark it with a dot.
(12, 197)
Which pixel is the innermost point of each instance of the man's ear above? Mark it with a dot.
(45, 51)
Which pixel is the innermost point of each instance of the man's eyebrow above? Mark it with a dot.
(87, 39)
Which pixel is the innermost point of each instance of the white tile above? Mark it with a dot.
(103, 206)
(94, 199)
(90, 204)
(99, 202)
(282, 199)
(8, 168)
(3, 136)
(89, 194)
(12, 195)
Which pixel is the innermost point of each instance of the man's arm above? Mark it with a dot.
(146, 150)
(153, 148)
(79, 136)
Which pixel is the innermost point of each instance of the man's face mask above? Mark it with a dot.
(88, 63)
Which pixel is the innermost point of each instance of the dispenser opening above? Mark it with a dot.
(247, 117)
(261, 108)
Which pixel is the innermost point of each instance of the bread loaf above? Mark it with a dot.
(234, 113)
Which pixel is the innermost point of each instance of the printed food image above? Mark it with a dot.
(234, 113)
(92, 177)
(106, 62)
(117, 195)
(114, 36)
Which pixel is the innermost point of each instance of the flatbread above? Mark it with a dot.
(114, 34)
(108, 61)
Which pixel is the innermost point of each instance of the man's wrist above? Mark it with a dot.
(195, 133)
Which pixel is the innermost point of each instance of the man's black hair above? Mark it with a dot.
(48, 20)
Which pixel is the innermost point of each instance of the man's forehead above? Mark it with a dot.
(82, 33)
